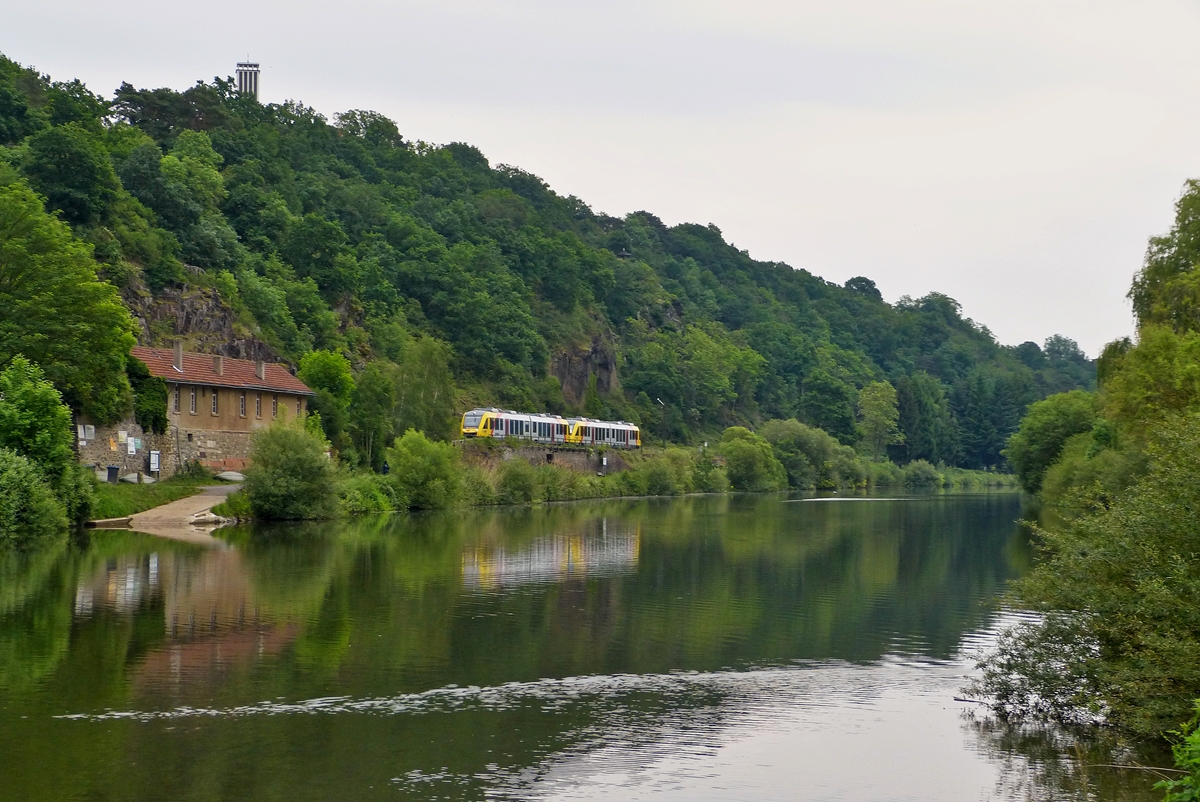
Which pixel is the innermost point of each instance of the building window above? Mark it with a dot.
(214, 401)
(192, 408)
(297, 407)
(242, 404)
(274, 406)
(175, 403)
(258, 405)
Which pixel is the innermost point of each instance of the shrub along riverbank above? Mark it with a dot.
(294, 479)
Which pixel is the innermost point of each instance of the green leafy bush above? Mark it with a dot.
(477, 489)
(236, 505)
(660, 479)
(707, 476)
(920, 473)
(517, 483)
(29, 510)
(34, 421)
(1044, 431)
(885, 474)
(1186, 751)
(364, 492)
(425, 472)
(292, 477)
(813, 459)
(749, 461)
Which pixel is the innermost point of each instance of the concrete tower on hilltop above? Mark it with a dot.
(247, 78)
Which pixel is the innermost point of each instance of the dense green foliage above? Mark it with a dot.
(750, 463)
(1119, 586)
(29, 510)
(1186, 751)
(1045, 430)
(54, 311)
(442, 281)
(292, 477)
(36, 424)
(149, 396)
(879, 416)
(425, 471)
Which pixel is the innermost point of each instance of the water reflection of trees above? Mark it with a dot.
(1042, 763)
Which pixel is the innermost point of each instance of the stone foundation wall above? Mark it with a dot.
(109, 448)
(216, 450)
(584, 460)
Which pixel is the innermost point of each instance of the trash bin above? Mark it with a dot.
(114, 472)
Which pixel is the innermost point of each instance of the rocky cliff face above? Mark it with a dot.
(199, 317)
(573, 365)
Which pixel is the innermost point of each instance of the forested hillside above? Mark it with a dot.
(408, 281)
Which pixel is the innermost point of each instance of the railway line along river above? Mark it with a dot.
(723, 648)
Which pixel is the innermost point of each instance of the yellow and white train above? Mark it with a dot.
(549, 429)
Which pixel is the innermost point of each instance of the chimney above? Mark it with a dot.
(177, 358)
(260, 370)
(218, 365)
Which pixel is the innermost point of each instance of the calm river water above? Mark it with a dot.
(712, 648)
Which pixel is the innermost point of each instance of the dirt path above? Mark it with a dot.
(177, 520)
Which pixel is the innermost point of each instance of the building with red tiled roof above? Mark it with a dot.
(179, 367)
(214, 404)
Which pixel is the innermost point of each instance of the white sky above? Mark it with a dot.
(1013, 155)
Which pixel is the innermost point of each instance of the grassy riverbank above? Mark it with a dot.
(120, 500)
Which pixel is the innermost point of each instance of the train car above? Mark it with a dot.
(549, 429)
(615, 434)
(507, 424)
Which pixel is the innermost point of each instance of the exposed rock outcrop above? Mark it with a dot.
(199, 316)
(573, 366)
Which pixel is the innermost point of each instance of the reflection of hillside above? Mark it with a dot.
(603, 552)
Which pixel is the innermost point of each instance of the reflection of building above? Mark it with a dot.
(211, 613)
(123, 585)
(553, 558)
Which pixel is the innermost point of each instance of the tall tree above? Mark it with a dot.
(55, 311)
(371, 406)
(68, 164)
(878, 418)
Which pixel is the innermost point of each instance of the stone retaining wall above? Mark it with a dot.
(577, 458)
(216, 450)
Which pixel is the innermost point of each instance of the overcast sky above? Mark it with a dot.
(1013, 155)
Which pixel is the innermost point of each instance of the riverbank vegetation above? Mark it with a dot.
(1118, 470)
(43, 490)
(294, 478)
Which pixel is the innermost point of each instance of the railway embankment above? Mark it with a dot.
(489, 453)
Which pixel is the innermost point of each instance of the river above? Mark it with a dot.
(707, 648)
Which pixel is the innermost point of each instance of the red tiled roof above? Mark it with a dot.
(198, 369)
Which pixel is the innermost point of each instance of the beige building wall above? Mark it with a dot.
(218, 440)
